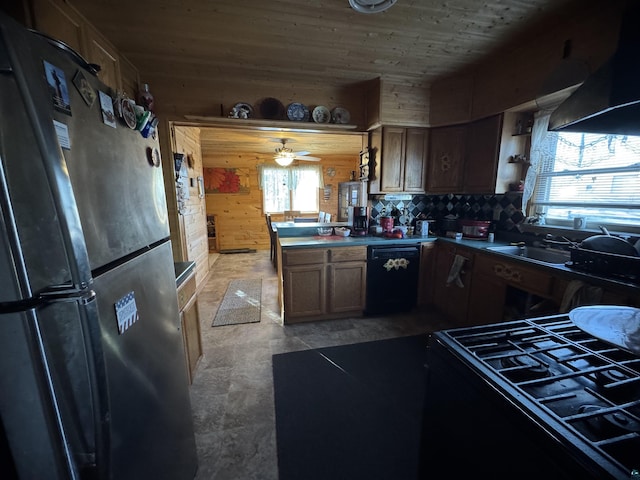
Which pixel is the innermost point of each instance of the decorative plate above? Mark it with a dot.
(128, 113)
(241, 110)
(272, 109)
(298, 112)
(321, 114)
(340, 115)
(153, 155)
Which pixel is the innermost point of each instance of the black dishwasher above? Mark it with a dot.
(392, 278)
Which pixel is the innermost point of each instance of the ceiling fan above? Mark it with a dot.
(284, 155)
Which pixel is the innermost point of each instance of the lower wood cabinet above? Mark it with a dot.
(304, 290)
(190, 323)
(427, 269)
(495, 288)
(452, 297)
(323, 283)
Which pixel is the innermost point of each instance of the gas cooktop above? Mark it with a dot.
(585, 389)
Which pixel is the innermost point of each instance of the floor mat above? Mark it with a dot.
(350, 412)
(240, 304)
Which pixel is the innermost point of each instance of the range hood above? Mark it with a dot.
(609, 100)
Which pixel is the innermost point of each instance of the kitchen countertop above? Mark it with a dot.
(555, 267)
(293, 229)
(317, 241)
(183, 270)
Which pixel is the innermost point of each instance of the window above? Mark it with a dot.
(586, 174)
(292, 188)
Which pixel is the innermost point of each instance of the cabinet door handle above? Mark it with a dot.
(445, 163)
(505, 271)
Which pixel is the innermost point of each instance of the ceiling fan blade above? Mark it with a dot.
(300, 154)
(309, 159)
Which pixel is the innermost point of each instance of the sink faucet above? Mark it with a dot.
(550, 241)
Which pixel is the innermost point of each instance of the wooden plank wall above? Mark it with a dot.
(404, 103)
(241, 223)
(187, 141)
(209, 94)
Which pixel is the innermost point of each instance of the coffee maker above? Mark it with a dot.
(359, 220)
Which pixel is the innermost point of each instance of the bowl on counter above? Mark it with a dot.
(342, 231)
(325, 231)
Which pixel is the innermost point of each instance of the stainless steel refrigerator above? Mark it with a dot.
(93, 382)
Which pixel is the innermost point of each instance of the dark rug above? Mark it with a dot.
(240, 304)
(350, 412)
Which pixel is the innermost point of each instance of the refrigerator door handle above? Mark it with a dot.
(53, 294)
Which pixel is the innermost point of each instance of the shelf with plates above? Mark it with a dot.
(263, 124)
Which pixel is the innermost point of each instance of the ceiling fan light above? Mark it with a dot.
(284, 159)
(371, 6)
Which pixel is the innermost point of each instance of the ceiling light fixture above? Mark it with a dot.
(371, 6)
(284, 158)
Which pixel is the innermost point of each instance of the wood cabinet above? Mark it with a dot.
(427, 271)
(497, 288)
(322, 283)
(481, 159)
(464, 158)
(446, 159)
(399, 158)
(190, 323)
(503, 290)
(452, 297)
(59, 20)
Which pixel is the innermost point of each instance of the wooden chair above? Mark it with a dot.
(273, 237)
(289, 215)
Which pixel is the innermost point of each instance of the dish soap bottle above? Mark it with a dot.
(145, 98)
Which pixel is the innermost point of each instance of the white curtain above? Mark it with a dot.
(299, 171)
(542, 150)
(291, 174)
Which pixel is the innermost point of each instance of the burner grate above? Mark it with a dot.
(588, 386)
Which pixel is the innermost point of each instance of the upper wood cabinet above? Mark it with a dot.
(399, 157)
(481, 159)
(446, 159)
(464, 158)
(61, 21)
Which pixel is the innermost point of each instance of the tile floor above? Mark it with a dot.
(232, 391)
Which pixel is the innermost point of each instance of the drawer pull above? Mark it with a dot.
(504, 271)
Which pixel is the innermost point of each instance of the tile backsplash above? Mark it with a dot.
(505, 209)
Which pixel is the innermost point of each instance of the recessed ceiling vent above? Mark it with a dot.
(371, 6)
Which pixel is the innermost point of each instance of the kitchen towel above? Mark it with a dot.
(241, 303)
(579, 293)
(455, 271)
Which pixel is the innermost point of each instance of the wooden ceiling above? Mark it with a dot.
(319, 40)
(314, 41)
(262, 143)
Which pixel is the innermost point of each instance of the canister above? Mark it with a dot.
(422, 228)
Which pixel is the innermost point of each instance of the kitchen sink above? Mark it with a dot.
(544, 255)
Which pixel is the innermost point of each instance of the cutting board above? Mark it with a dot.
(619, 326)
